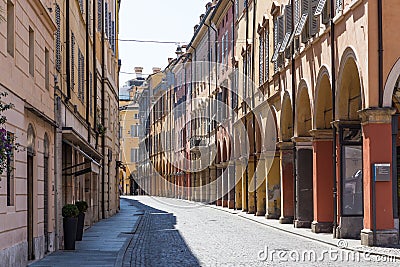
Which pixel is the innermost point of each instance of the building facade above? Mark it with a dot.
(65, 108)
(311, 134)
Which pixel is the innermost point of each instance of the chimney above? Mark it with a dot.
(156, 70)
(201, 17)
(170, 60)
(138, 72)
(209, 4)
(196, 27)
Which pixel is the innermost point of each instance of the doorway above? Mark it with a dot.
(31, 251)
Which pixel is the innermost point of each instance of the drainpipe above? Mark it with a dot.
(94, 59)
(380, 104)
(103, 149)
(87, 73)
(253, 106)
(293, 67)
(245, 105)
(68, 51)
(334, 156)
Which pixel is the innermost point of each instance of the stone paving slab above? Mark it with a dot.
(101, 243)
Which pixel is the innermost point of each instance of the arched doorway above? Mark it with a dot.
(31, 150)
(304, 160)
(286, 160)
(350, 151)
(322, 156)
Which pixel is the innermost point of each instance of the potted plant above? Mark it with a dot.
(82, 207)
(70, 213)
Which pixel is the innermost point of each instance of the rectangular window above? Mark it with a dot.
(10, 171)
(58, 38)
(31, 52)
(10, 28)
(81, 5)
(134, 130)
(46, 69)
(236, 9)
(266, 47)
(80, 76)
(261, 59)
(134, 154)
(72, 61)
(106, 19)
(110, 38)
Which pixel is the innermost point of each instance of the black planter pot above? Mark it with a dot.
(70, 225)
(81, 224)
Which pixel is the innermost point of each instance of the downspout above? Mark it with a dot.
(68, 51)
(293, 67)
(380, 104)
(87, 74)
(209, 106)
(216, 73)
(244, 97)
(103, 148)
(94, 58)
(334, 130)
(253, 107)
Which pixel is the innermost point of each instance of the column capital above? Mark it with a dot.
(376, 115)
(321, 134)
(282, 145)
(302, 140)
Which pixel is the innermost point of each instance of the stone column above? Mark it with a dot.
(322, 181)
(261, 187)
(219, 186)
(377, 148)
(286, 177)
(238, 185)
(224, 189)
(244, 185)
(231, 185)
(273, 188)
(304, 182)
(250, 185)
(213, 185)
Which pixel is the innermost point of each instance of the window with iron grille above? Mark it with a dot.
(58, 38)
(81, 75)
(261, 59)
(90, 93)
(10, 172)
(266, 54)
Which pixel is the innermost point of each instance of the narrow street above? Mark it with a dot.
(180, 233)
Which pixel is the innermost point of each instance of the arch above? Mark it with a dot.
(31, 139)
(286, 121)
(271, 130)
(303, 112)
(237, 143)
(391, 84)
(218, 160)
(322, 115)
(349, 92)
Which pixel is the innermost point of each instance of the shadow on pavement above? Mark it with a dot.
(161, 244)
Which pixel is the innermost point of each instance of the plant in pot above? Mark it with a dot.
(70, 213)
(82, 207)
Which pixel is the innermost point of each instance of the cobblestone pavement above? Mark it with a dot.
(180, 233)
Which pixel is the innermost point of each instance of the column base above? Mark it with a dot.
(321, 227)
(218, 202)
(350, 227)
(260, 213)
(302, 224)
(286, 220)
(383, 237)
(231, 204)
(272, 216)
(225, 203)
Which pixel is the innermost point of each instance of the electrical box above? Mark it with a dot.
(381, 172)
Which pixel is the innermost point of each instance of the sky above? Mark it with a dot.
(155, 20)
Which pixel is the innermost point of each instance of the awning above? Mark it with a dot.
(74, 139)
(82, 168)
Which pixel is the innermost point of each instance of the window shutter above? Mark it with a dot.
(296, 12)
(109, 29)
(72, 61)
(305, 7)
(326, 13)
(99, 10)
(266, 39)
(58, 38)
(106, 19)
(314, 22)
(83, 77)
(261, 59)
(90, 92)
(281, 29)
(288, 18)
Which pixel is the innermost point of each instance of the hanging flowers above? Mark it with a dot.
(6, 140)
